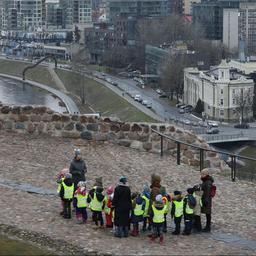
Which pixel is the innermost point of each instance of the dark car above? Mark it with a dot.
(242, 126)
(212, 131)
(188, 109)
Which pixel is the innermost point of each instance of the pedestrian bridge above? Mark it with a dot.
(220, 138)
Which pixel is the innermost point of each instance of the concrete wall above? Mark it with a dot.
(42, 120)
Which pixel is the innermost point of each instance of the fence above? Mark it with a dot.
(235, 159)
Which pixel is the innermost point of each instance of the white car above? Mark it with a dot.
(186, 121)
(212, 124)
(138, 97)
(144, 102)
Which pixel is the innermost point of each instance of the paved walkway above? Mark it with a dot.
(35, 162)
(70, 104)
(57, 80)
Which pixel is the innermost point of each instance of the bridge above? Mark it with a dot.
(220, 138)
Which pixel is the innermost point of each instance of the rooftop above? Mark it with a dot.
(36, 161)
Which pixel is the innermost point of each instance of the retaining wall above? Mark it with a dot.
(42, 120)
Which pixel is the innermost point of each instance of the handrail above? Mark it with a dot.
(198, 147)
(30, 67)
(201, 150)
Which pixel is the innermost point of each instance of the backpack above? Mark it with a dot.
(191, 201)
(213, 190)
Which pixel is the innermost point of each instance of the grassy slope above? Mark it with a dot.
(38, 74)
(102, 99)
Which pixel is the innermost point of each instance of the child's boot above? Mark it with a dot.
(153, 238)
(161, 239)
(133, 233)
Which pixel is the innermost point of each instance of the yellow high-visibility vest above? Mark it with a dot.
(96, 205)
(68, 191)
(178, 208)
(146, 206)
(138, 210)
(158, 214)
(81, 200)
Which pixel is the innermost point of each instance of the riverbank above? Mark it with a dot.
(37, 159)
(97, 97)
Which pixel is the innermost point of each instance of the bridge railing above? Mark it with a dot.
(225, 137)
(235, 161)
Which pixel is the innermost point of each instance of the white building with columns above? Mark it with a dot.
(219, 89)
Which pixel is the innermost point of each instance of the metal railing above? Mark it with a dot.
(233, 157)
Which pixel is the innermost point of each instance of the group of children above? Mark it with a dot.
(152, 214)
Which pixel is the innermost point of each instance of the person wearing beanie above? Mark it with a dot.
(108, 207)
(97, 205)
(66, 195)
(77, 168)
(197, 210)
(166, 201)
(122, 206)
(60, 179)
(177, 211)
(80, 199)
(207, 182)
(157, 216)
(189, 205)
(138, 207)
(146, 198)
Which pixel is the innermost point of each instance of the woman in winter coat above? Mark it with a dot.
(77, 168)
(206, 186)
(122, 206)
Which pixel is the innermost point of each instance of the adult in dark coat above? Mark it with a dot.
(77, 168)
(122, 205)
(206, 185)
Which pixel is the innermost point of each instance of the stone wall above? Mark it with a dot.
(42, 120)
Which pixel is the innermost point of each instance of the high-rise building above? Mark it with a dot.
(247, 26)
(239, 29)
(137, 8)
(209, 14)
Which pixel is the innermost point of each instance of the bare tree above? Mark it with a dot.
(244, 102)
(79, 59)
(171, 75)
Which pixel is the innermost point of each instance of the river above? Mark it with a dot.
(16, 93)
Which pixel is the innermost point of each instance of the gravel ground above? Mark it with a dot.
(37, 160)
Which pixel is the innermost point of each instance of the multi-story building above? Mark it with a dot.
(209, 14)
(187, 6)
(54, 15)
(136, 8)
(247, 26)
(239, 29)
(220, 89)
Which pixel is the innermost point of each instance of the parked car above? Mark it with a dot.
(212, 124)
(242, 126)
(114, 83)
(178, 105)
(186, 121)
(138, 98)
(181, 111)
(212, 131)
(149, 105)
(188, 109)
(144, 102)
(159, 91)
(202, 124)
(163, 95)
(194, 123)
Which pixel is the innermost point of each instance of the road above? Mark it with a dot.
(167, 112)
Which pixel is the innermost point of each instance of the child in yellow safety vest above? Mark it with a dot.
(108, 204)
(167, 203)
(66, 195)
(80, 202)
(138, 207)
(189, 205)
(197, 210)
(97, 204)
(60, 178)
(177, 211)
(157, 215)
(146, 198)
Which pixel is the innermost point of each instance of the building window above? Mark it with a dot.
(221, 112)
(233, 91)
(221, 102)
(221, 91)
(209, 107)
(234, 101)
